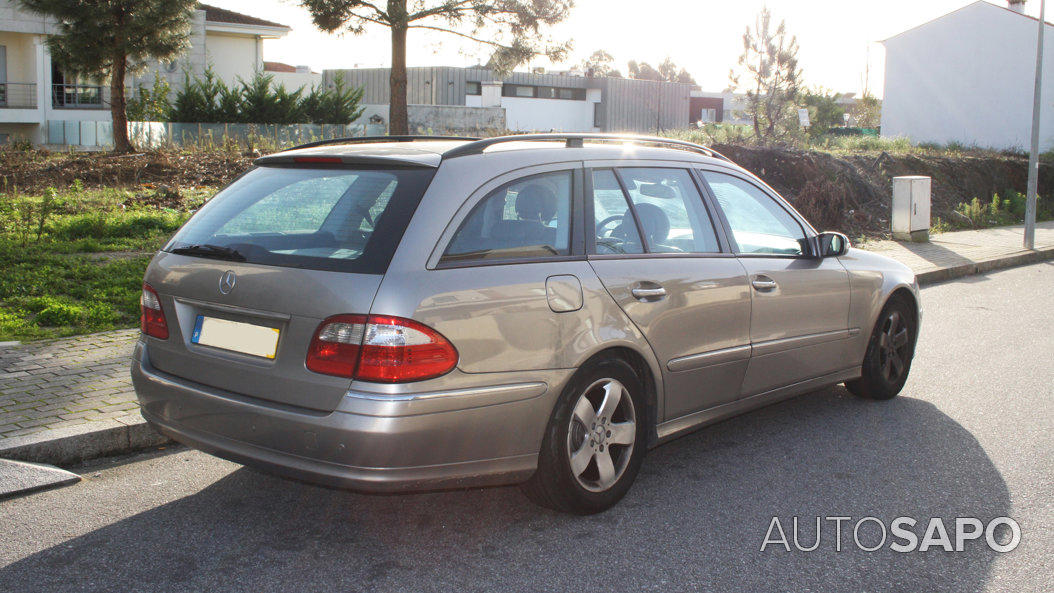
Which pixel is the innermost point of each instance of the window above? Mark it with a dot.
(670, 211)
(473, 88)
(759, 224)
(327, 219)
(542, 92)
(517, 90)
(616, 230)
(598, 115)
(528, 218)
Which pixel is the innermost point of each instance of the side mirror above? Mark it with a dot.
(832, 244)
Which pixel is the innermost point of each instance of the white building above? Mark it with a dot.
(968, 77)
(526, 101)
(40, 102)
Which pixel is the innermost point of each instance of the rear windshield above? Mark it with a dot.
(348, 220)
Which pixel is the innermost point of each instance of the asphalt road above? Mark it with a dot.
(971, 435)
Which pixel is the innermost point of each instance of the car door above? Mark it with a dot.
(800, 303)
(655, 248)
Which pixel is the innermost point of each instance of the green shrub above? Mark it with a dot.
(59, 313)
(260, 101)
(151, 104)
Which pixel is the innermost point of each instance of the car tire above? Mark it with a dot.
(889, 353)
(590, 456)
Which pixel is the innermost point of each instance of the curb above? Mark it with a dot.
(84, 442)
(1018, 259)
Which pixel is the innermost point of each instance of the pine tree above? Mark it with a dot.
(772, 77)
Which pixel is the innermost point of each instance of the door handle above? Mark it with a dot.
(648, 293)
(764, 284)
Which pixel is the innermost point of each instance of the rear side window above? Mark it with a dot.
(348, 220)
(528, 218)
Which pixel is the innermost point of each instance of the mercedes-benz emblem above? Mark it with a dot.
(227, 281)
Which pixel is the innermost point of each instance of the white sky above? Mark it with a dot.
(704, 36)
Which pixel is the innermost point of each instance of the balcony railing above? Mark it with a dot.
(18, 95)
(79, 96)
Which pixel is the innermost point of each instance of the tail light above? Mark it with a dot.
(380, 349)
(152, 317)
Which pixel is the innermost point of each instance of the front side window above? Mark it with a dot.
(670, 211)
(329, 219)
(528, 218)
(759, 224)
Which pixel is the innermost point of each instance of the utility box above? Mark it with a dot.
(911, 208)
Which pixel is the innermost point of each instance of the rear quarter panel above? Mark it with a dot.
(498, 316)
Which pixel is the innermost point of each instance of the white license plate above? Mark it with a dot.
(247, 338)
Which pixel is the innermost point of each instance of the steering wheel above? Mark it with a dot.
(607, 221)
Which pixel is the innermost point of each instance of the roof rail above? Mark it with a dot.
(577, 141)
(369, 139)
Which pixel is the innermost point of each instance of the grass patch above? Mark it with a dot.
(57, 279)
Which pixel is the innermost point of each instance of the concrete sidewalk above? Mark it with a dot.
(64, 401)
(951, 255)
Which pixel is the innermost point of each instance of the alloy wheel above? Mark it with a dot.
(601, 435)
(893, 350)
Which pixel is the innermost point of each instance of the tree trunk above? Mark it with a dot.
(117, 106)
(398, 121)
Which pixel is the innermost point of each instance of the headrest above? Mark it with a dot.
(536, 203)
(655, 222)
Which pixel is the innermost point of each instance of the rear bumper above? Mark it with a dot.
(373, 442)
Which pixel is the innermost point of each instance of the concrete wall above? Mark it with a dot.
(193, 60)
(16, 19)
(233, 56)
(545, 115)
(447, 119)
(968, 77)
(297, 80)
(21, 57)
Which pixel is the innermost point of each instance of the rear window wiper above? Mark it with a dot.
(207, 250)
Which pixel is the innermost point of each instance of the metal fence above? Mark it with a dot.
(80, 96)
(18, 95)
(147, 135)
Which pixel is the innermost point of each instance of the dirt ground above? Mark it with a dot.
(854, 193)
(848, 193)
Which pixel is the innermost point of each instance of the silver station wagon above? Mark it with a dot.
(418, 313)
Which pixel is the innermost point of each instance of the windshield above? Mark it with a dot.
(347, 220)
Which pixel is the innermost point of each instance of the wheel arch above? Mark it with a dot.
(649, 378)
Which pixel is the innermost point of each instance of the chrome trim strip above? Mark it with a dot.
(503, 393)
(705, 359)
(782, 344)
(370, 403)
(233, 309)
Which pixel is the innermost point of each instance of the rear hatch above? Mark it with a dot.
(246, 282)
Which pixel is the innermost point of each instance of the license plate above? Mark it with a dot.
(247, 338)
